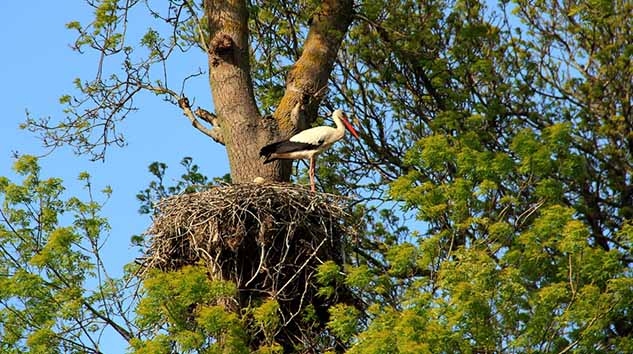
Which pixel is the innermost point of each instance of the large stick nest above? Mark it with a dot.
(267, 238)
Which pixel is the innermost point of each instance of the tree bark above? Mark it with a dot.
(244, 131)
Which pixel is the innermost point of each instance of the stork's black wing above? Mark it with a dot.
(285, 146)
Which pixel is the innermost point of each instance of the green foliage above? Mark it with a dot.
(508, 144)
(328, 275)
(184, 304)
(190, 181)
(49, 251)
(344, 321)
(267, 318)
(401, 259)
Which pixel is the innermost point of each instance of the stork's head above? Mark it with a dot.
(340, 115)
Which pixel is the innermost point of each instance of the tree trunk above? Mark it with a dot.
(232, 91)
(244, 131)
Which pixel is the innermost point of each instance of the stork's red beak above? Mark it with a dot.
(349, 126)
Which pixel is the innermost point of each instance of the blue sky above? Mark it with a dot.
(37, 66)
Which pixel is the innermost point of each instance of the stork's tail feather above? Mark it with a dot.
(268, 150)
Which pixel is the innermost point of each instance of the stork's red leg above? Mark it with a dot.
(312, 188)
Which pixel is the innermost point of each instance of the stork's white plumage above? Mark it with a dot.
(309, 143)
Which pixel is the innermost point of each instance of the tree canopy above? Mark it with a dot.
(491, 191)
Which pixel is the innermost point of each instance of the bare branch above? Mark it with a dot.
(214, 133)
(207, 116)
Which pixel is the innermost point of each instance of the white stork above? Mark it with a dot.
(309, 143)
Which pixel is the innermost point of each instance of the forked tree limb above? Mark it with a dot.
(207, 116)
(214, 133)
(244, 131)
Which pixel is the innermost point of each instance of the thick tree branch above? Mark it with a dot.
(307, 80)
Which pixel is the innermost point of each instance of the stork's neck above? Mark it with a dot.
(340, 127)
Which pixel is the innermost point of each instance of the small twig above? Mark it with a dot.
(526, 214)
(303, 265)
(259, 267)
